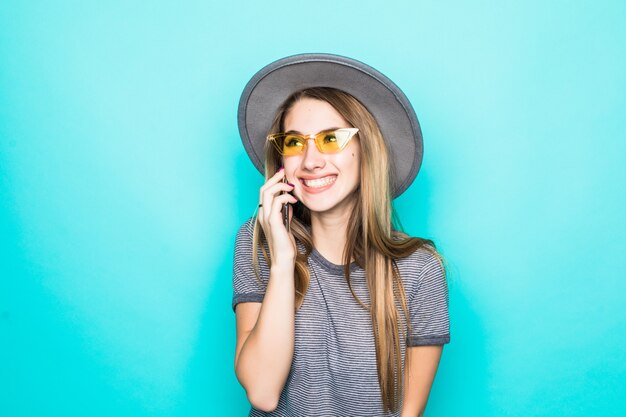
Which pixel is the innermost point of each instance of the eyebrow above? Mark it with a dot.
(323, 130)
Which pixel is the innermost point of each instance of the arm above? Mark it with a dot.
(265, 341)
(430, 330)
(422, 363)
(266, 331)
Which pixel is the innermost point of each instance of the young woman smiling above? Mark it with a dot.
(338, 312)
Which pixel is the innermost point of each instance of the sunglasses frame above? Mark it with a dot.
(316, 138)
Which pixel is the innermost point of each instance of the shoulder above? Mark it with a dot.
(244, 240)
(424, 264)
(422, 258)
(250, 273)
(246, 229)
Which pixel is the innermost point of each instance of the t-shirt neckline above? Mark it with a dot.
(328, 265)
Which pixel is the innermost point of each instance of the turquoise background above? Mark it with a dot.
(123, 182)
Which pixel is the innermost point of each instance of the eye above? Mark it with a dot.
(292, 142)
(330, 138)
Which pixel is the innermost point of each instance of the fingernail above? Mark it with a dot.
(280, 169)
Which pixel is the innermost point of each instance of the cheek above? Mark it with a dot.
(290, 167)
(355, 153)
(357, 167)
(352, 165)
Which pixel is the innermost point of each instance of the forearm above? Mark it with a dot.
(265, 358)
(413, 412)
(422, 363)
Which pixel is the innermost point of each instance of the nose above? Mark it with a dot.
(313, 158)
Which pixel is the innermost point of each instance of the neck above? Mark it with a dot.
(329, 233)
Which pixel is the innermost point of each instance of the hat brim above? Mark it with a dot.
(393, 112)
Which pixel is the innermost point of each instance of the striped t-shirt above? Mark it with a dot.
(333, 372)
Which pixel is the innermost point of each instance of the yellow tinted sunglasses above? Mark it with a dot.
(328, 141)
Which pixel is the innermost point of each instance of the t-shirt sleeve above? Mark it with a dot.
(428, 305)
(247, 287)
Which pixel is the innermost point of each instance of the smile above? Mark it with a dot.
(319, 182)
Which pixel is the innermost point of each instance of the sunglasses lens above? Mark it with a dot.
(286, 144)
(331, 142)
(292, 145)
(335, 141)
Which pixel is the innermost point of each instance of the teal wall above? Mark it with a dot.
(123, 182)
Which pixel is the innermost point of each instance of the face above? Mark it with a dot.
(324, 183)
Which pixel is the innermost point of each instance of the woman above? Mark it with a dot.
(338, 313)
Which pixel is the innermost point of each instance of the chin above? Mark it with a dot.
(328, 206)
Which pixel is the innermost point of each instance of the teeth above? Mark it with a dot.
(319, 182)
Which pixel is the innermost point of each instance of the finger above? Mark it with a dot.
(276, 213)
(276, 178)
(278, 188)
(270, 193)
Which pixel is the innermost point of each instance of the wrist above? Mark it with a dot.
(283, 258)
(283, 265)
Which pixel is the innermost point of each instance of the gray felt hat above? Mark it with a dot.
(269, 88)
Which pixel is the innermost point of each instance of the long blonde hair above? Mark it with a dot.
(374, 239)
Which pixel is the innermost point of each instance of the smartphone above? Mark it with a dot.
(285, 209)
